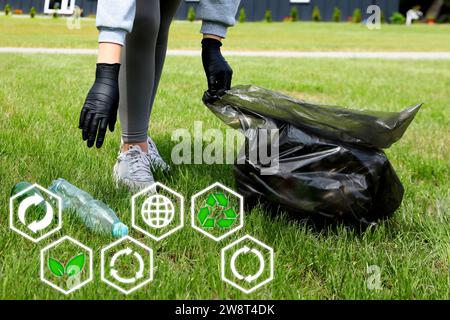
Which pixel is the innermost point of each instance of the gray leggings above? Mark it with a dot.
(142, 63)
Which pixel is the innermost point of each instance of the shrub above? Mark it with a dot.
(316, 14)
(268, 16)
(445, 18)
(191, 14)
(336, 14)
(7, 9)
(357, 16)
(382, 17)
(398, 18)
(32, 12)
(56, 8)
(242, 15)
(294, 14)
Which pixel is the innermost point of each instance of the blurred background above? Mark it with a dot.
(256, 10)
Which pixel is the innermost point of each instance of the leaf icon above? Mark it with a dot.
(75, 265)
(55, 267)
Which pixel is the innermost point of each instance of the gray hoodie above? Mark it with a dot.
(115, 18)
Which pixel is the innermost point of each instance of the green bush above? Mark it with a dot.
(316, 14)
(242, 15)
(337, 14)
(191, 14)
(32, 12)
(445, 18)
(357, 16)
(55, 13)
(382, 17)
(7, 9)
(268, 16)
(294, 14)
(398, 18)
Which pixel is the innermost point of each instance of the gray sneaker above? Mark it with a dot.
(156, 161)
(132, 169)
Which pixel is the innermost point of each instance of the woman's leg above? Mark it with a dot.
(168, 8)
(137, 76)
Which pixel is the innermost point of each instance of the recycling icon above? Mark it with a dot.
(138, 275)
(35, 200)
(252, 277)
(247, 264)
(217, 211)
(126, 264)
(217, 203)
(35, 212)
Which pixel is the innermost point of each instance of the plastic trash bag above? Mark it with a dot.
(330, 160)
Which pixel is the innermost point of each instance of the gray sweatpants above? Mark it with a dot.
(142, 62)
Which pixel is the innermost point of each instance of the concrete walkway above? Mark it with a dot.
(268, 54)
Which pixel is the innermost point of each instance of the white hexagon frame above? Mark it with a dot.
(116, 286)
(223, 266)
(77, 243)
(152, 188)
(11, 213)
(241, 211)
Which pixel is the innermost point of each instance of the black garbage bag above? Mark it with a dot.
(330, 162)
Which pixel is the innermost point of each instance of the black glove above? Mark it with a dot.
(218, 71)
(100, 108)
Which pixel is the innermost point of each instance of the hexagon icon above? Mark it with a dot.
(35, 213)
(66, 265)
(157, 211)
(127, 265)
(217, 211)
(247, 264)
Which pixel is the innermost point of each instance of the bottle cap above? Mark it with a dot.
(119, 230)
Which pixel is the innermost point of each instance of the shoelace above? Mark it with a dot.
(153, 151)
(139, 164)
(156, 160)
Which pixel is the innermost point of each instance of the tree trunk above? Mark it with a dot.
(435, 8)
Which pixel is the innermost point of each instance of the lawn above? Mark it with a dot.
(40, 98)
(303, 36)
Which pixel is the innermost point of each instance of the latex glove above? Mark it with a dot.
(100, 108)
(218, 71)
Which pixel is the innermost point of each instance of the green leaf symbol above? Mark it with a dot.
(75, 265)
(55, 267)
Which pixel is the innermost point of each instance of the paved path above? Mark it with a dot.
(268, 54)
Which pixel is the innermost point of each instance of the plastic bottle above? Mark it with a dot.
(96, 215)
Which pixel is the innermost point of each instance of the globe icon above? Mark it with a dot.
(157, 211)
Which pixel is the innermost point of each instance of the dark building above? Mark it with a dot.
(254, 9)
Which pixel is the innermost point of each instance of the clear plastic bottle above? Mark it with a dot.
(95, 214)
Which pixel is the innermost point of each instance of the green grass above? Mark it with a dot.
(303, 36)
(40, 99)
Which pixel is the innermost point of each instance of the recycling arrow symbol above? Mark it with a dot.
(35, 200)
(245, 250)
(139, 274)
(216, 205)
